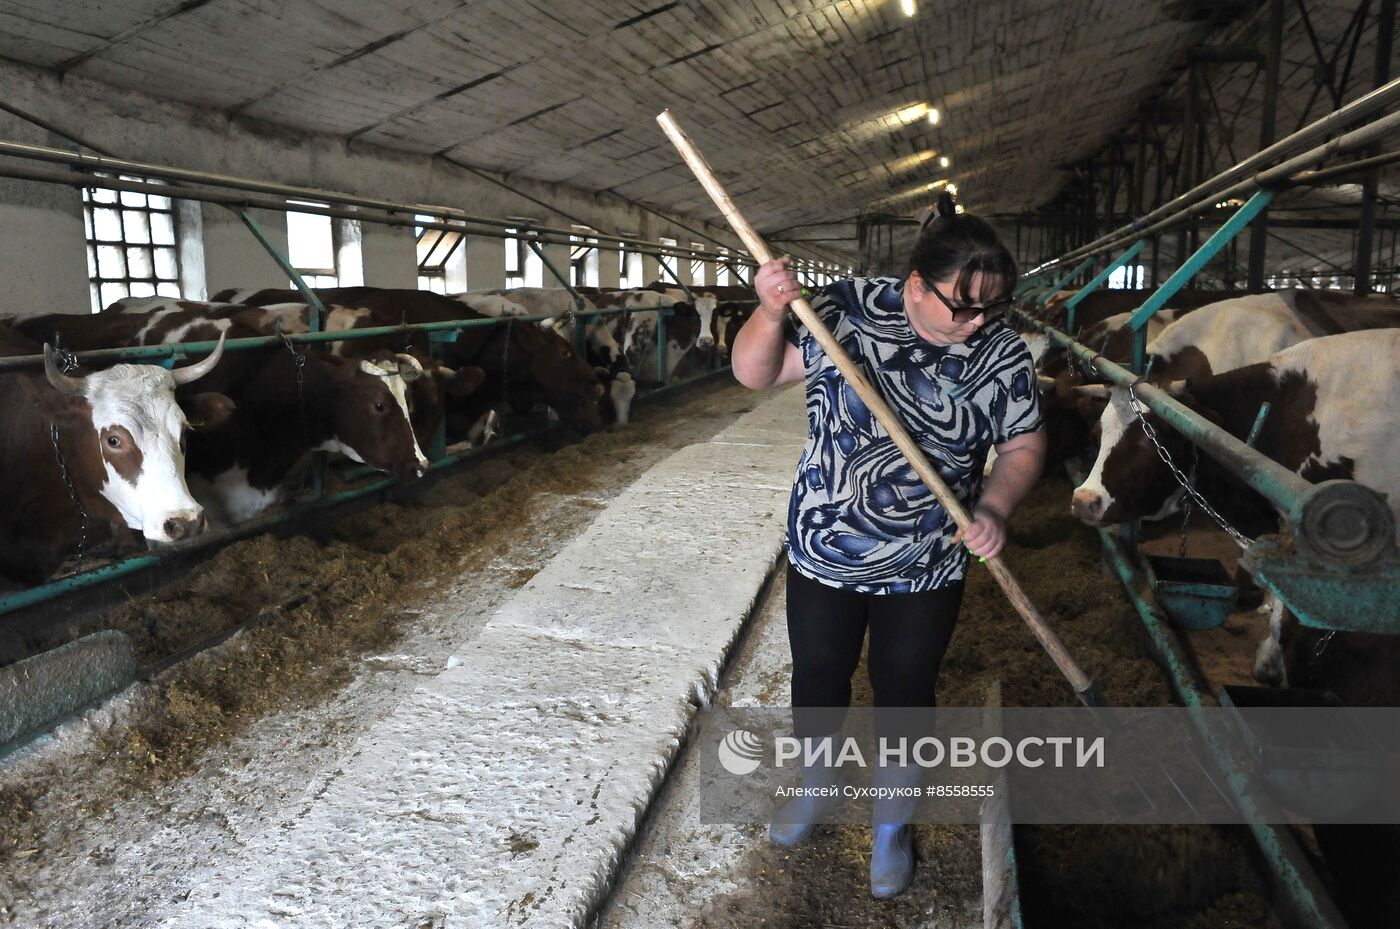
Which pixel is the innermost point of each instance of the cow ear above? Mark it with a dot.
(207, 411)
(465, 381)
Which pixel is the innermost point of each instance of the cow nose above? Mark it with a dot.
(179, 528)
(1087, 505)
(705, 341)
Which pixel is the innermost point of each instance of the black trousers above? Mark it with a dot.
(826, 628)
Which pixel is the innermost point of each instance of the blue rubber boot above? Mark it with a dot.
(892, 848)
(891, 860)
(795, 819)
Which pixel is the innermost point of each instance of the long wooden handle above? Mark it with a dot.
(883, 414)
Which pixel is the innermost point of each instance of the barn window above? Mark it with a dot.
(311, 246)
(669, 262)
(583, 258)
(1128, 277)
(722, 277)
(629, 266)
(130, 245)
(441, 257)
(698, 265)
(523, 266)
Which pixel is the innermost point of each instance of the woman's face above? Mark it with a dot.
(931, 314)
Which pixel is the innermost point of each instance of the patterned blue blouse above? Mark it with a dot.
(859, 517)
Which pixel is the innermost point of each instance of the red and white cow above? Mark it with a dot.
(114, 439)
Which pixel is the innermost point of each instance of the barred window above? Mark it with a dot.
(669, 263)
(436, 247)
(583, 258)
(697, 265)
(130, 245)
(311, 246)
(523, 266)
(722, 269)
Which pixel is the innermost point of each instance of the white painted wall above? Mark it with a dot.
(389, 256)
(486, 263)
(233, 258)
(41, 237)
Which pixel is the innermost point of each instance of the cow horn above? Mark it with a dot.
(63, 383)
(192, 373)
(1177, 388)
(410, 368)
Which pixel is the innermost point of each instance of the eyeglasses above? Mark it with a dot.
(966, 314)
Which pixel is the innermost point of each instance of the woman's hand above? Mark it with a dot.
(776, 286)
(986, 534)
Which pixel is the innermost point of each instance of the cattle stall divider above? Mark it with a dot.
(240, 195)
(1343, 570)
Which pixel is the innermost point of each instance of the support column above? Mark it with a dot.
(389, 255)
(486, 262)
(233, 258)
(1258, 233)
(1365, 234)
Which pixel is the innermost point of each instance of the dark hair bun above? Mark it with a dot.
(946, 206)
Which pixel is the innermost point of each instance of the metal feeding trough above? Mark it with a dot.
(1197, 593)
(1320, 761)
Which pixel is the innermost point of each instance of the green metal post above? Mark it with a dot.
(535, 247)
(1073, 303)
(317, 308)
(1054, 288)
(1208, 250)
(675, 276)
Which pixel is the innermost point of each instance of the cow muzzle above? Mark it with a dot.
(181, 527)
(704, 342)
(1088, 505)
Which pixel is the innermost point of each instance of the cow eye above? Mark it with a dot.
(379, 406)
(114, 441)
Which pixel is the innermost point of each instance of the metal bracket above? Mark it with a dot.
(1326, 599)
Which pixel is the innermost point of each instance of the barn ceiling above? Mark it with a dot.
(812, 111)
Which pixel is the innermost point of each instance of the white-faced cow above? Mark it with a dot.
(287, 404)
(113, 439)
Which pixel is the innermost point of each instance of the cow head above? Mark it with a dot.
(1129, 480)
(569, 385)
(705, 305)
(370, 417)
(140, 439)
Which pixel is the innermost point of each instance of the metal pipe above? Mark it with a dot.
(1378, 100)
(178, 349)
(1331, 510)
(1312, 906)
(98, 163)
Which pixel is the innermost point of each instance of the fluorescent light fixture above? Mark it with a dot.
(911, 161)
(933, 116)
(944, 162)
(942, 182)
(910, 113)
(907, 6)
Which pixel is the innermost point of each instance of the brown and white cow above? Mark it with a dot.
(523, 365)
(1335, 402)
(286, 404)
(120, 436)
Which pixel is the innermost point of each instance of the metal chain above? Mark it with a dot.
(299, 362)
(1187, 505)
(1137, 406)
(72, 491)
(505, 363)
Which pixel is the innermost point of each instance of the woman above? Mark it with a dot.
(868, 544)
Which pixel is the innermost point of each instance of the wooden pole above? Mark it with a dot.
(1083, 686)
